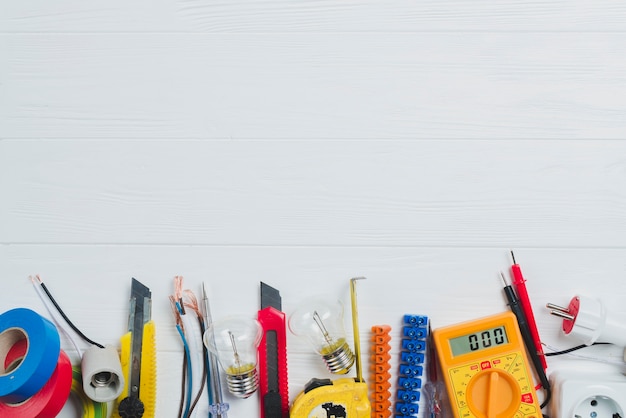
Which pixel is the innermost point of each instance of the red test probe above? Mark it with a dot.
(520, 286)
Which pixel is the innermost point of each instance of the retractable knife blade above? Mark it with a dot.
(274, 393)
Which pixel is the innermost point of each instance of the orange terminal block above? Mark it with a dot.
(382, 377)
(381, 397)
(382, 358)
(380, 366)
(382, 406)
(381, 369)
(382, 387)
(382, 348)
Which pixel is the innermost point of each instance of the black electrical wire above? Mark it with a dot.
(58, 308)
(569, 350)
(548, 392)
(204, 370)
(199, 395)
(182, 386)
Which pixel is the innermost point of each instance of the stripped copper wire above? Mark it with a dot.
(175, 311)
(192, 302)
(184, 301)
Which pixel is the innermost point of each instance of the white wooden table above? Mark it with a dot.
(304, 143)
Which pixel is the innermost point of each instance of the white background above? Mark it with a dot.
(304, 143)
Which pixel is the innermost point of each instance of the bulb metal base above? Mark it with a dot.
(340, 360)
(243, 384)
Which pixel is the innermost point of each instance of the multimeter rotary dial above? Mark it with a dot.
(494, 393)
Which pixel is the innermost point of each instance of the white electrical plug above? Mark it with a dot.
(581, 395)
(589, 321)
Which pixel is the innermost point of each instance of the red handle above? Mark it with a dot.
(272, 319)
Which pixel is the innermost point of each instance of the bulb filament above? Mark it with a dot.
(235, 353)
(320, 324)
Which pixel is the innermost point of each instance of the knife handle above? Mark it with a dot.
(271, 319)
(147, 389)
(125, 343)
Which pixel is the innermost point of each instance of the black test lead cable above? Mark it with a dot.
(65, 318)
(516, 308)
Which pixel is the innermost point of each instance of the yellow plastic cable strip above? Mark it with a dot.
(90, 408)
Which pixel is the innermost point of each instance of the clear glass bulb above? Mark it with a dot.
(234, 340)
(321, 322)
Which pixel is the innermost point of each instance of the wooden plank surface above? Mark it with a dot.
(313, 86)
(312, 16)
(421, 194)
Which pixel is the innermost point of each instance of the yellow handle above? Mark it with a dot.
(147, 388)
(125, 361)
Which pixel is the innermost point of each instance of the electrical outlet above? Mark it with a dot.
(576, 394)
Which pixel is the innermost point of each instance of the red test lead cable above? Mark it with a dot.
(520, 286)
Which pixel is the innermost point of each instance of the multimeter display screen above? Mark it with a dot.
(477, 341)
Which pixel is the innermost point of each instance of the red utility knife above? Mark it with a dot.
(274, 393)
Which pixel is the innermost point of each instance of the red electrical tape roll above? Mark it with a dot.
(48, 402)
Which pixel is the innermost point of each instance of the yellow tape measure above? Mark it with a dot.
(485, 369)
(325, 398)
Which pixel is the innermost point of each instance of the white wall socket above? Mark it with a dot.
(577, 394)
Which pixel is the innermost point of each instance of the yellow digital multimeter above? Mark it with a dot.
(485, 368)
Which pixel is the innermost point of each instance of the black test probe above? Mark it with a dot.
(516, 308)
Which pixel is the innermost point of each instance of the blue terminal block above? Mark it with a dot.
(413, 345)
(416, 333)
(409, 383)
(411, 371)
(412, 358)
(415, 320)
(408, 396)
(411, 367)
(409, 409)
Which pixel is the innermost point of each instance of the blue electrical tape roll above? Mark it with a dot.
(21, 380)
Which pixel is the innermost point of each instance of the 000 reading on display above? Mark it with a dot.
(485, 369)
(478, 340)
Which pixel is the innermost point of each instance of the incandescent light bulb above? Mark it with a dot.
(321, 323)
(234, 340)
